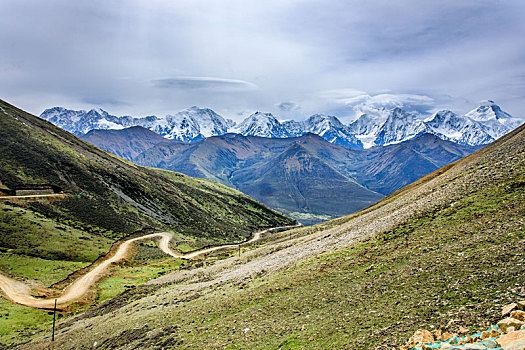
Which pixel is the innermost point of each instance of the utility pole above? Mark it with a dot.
(54, 314)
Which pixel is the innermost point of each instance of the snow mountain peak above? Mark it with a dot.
(373, 127)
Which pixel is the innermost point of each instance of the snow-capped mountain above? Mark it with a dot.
(449, 126)
(495, 121)
(81, 122)
(331, 129)
(399, 126)
(189, 125)
(479, 126)
(262, 124)
(365, 128)
(374, 127)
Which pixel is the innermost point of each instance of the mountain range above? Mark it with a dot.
(305, 177)
(381, 127)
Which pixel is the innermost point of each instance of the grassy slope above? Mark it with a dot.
(46, 243)
(460, 258)
(119, 197)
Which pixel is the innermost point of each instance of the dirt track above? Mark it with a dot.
(20, 293)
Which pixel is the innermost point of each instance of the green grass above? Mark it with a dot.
(16, 321)
(46, 271)
(25, 232)
(123, 278)
(149, 262)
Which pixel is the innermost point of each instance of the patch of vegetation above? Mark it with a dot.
(310, 218)
(25, 232)
(148, 263)
(18, 322)
(46, 271)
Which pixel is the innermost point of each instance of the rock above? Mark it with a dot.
(462, 330)
(509, 322)
(507, 309)
(485, 335)
(494, 333)
(420, 336)
(451, 322)
(446, 346)
(518, 314)
(510, 329)
(511, 338)
(491, 344)
(454, 340)
(521, 305)
(447, 336)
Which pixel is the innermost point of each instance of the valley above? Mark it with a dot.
(262, 175)
(450, 243)
(296, 175)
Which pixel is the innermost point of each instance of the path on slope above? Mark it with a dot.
(20, 293)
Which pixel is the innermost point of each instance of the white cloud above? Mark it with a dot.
(235, 55)
(203, 83)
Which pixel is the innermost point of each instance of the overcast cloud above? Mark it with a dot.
(290, 57)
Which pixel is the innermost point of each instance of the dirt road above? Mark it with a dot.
(20, 293)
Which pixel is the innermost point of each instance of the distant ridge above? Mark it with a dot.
(301, 175)
(383, 127)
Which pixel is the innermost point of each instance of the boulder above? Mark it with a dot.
(511, 338)
(507, 309)
(420, 336)
(509, 322)
(485, 335)
(494, 333)
(518, 314)
(491, 344)
(463, 330)
(447, 336)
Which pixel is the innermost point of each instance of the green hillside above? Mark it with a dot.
(114, 197)
(448, 247)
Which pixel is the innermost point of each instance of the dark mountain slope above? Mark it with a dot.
(233, 160)
(126, 143)
(115, 195)
(447, 247)
(296, 181)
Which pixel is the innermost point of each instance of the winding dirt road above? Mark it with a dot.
(20, 293)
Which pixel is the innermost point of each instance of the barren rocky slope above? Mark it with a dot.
(449, 246)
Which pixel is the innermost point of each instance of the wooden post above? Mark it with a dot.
(239, 251)
(54, 313)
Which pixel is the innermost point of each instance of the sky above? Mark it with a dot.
(292, 58)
